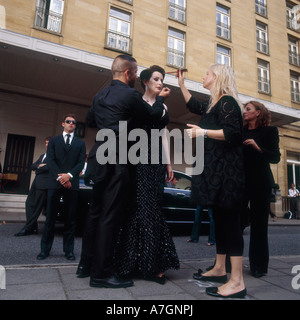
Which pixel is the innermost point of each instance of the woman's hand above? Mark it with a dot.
(180, 76)
(195, 131)
(170, 173)
(185, 92)
(165, 92)
(253, 144)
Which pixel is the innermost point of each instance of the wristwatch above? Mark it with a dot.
(205, 133)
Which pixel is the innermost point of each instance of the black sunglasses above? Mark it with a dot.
(70, 121)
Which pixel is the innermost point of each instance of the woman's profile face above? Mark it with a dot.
(155, 83)
(250, 112)
(209, 79)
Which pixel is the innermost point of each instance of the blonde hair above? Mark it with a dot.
(223, 85)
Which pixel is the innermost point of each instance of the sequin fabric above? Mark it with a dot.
(145, 246)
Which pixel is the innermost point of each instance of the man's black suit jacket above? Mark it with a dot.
(63, 159)
(41, 174)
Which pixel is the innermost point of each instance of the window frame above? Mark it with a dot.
(263, 76)
(175, 53)
(221, 26)
(117, 39)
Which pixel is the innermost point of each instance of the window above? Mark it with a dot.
(262, 43)
(223, 55)
(261, 7)
(127, 1)
(176, 48)
(118, 35)
(292, 15)
(223, 22)
(295, 87)
(294, 51)
(263, 71)
(177, 10)
(49, 14)
(293, 164)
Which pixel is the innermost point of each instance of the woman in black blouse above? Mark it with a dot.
(221, 184)
(261, 147)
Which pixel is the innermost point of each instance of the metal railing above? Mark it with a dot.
(262, 45)
(223, 30)
(118, 42)
(263, 85)
(291, 23)
(176, 58)
(177, 12)
(295, 95)
(294, 58)
(261, 9)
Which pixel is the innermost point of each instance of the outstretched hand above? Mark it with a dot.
(195, 131)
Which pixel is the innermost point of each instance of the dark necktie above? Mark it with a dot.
(68, 140)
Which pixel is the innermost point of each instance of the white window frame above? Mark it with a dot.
(261, 7)
(263, 72)
(52, 15)
(294, 51)
(295, 88)
(176, 48)
(118, 35)
(262, 43)
(223, 22)
(223, 55)
(177, 10)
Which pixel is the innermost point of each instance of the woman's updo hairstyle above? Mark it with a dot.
(147, 73)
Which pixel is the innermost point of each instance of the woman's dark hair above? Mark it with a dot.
(264, 118)
(147, 73)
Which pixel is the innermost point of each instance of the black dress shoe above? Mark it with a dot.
(213, 291)
(24, 232)
(110, 282)
(82, 271)
(221, 279)
(70, 256)
(257, 274)
(42, 256)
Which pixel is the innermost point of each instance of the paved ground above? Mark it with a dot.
(57, 281)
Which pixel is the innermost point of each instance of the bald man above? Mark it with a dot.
(111, 189)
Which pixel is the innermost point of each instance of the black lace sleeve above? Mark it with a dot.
(196, 106)
(230, 118)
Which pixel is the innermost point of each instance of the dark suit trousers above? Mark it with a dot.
(105, 217)
(70, 202)
(259, 215)
(34, 205)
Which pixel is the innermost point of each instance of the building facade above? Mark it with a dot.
(55, 55)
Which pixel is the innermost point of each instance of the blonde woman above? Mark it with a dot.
(221, 184)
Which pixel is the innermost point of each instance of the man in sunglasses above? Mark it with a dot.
(65, 159)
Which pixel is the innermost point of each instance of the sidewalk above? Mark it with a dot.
(59, 282)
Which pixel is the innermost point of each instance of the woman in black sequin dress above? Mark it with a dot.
(145, 247)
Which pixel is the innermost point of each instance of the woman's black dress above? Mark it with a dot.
(145, 245)
(222, 181)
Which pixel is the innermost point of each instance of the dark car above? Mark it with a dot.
(177, 206)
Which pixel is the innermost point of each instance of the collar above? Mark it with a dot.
(71, 134)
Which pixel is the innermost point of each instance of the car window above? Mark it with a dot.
(183, 183)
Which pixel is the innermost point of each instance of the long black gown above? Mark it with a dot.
(145, 247)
